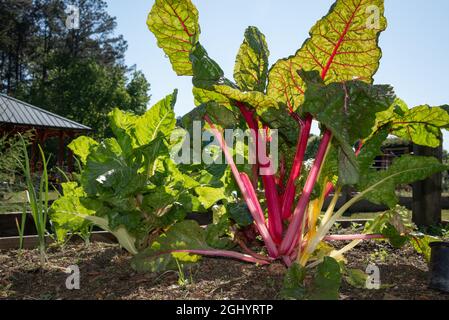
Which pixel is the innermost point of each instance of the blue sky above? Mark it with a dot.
(415, 45)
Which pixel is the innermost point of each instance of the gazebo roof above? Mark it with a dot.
(16, 112)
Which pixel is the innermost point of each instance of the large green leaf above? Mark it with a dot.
(210, 77)
(372, 149)
(218, 233)
(395, 225)
(342, 46)
(203, 96)
(422, 125)
(185, 235)
(255, 99)
(61, 212)
(159, 119)
(134, 131)
(108, 169)
(251, 67)
(215, 91)
(81, 147)
(293, 286)
(240, 214)
(175, 25)
(206, 72)
(324, 286)
(209, 196)
(349, 111)
(327, 281)
(404, 170)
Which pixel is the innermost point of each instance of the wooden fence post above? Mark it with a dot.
(427, 193)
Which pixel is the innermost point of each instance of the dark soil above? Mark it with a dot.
(106, 274)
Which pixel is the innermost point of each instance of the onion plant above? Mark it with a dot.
(37, 198)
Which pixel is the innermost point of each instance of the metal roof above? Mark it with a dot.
(14, 111)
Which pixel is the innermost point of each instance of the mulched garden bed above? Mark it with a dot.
(106, 274)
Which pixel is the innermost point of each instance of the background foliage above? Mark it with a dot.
(79, 74)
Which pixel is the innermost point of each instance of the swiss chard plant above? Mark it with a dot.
(129, 185)
(328, 80)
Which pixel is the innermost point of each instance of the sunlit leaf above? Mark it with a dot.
(342, 46)
(175, 25)
(251, 67)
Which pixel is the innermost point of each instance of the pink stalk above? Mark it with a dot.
(248, 115)
(252, 194)
(293, 232)
(280, 181)
(269, 181)
(290, 190)
(248, 192)
(225, 254)
(274, 209)
(353, 237)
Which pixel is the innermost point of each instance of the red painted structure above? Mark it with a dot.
(19, 117)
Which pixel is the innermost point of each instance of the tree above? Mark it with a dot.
(77, 73)
(138, 89)
(87, 91)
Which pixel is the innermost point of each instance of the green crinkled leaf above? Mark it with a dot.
(122, 124)
(81, 147)
(131, 219)
(203, 97)
(293, 285)
(255, 99)
(395, 225)
(218, 234)
(372, 149)
(209, 196)
(327, 281)
(324, 286)
(134, 131)
(404, 170)
(240, 214)
(158, 199)
(280, 119)
(176, 177)
(251, 67)
(159, 257)
(340, 48)
(175, 25)
(159, 119)
(349, 111)
(422, 125)
(206, 72)
(103, 161)
(210, 77)
(221, 116)
(63, 209)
